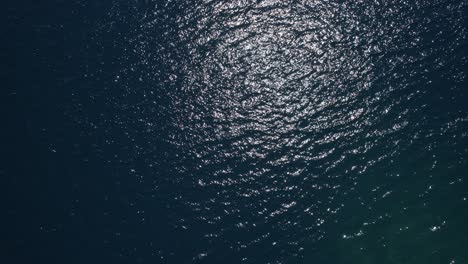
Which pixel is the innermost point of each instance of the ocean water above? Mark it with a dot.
(209, 131)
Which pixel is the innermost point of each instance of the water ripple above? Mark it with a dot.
(273, 116)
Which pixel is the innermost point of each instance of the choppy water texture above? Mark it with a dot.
(271, 131)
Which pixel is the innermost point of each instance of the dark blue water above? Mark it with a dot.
(235, 131)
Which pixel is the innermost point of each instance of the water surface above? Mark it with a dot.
(242, 131)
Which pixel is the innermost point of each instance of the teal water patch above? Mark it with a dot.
(415, 213)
